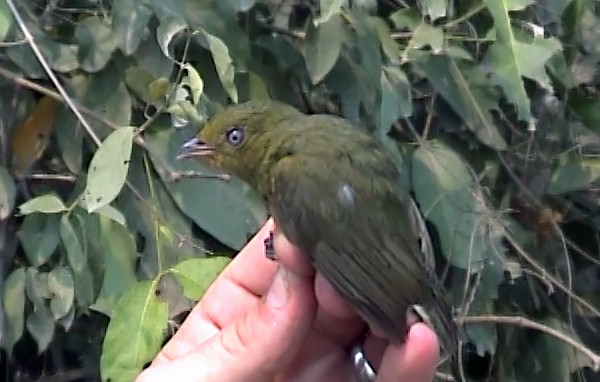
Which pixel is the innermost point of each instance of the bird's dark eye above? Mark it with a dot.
(235, 135)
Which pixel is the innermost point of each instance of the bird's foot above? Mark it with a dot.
(270, 247)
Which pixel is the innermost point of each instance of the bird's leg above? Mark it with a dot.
(270, 247)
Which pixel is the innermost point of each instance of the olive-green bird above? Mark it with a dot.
(335, 193)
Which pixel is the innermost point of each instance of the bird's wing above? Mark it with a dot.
(357, 231)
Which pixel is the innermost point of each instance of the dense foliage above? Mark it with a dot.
(490, 107)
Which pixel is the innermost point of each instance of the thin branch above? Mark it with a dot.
(279, 30)
(50, 73)
(527, 323)
(412, 129)
(178, 78)
(8, 44)
(57, 177)
(467, 15)
(461, 368)
(547, 276)
(69, 375)
(557, 230)
(429, 118)
(172, 173)
(401, 35)
(62, 96)
(444, 376)
(179, 175)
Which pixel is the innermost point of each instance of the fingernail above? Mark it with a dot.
(277, 296)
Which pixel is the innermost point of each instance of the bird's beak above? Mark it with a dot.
(195, 147)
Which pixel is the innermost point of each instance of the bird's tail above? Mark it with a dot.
(437, 313)
(438, 316)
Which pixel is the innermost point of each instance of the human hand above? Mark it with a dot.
(278, 321)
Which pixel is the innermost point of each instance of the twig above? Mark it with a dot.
(172, 173)
(412, 129)
(527, 323)
(62, 96)
(275, 29)
(557, 231)
(8, 44)
(401, 35)
(522, 253)
(58, 177)
(444, 376)
(461, 368)
(467, 15)
(429, 118)
(38, 54)
(179, 175)
(178, 78)
(69, 375)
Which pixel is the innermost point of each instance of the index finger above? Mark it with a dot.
(246, 278)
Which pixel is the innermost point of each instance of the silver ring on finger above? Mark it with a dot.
(364, 369)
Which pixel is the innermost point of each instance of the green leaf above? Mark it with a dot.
(452, 200)
(573, 24)
(202, 199)
(194, 81)
(96, 43)
(61, 57)
(117, 247)
(112, 213)
(41, 327)
(435, 8)
(574, 173)
(40, 323)
(69, 136)
(108, 169)
(587, 108)
(466, 90)
(129, 23)
(7, 193)
(554, 359)
(362, 61)
(407, 18)
(6, 19)
(513, 59)
(13, 304)
(483, 336)
(329, 9)
(135, 333)
(167, 233)
(158, 90)
(196, 275)
(67, 320)
(222, 60)
(167, 30)
(425, 35)
(73, 244)
(257, 88)
(139, 80)
(73, 240)
(62, 287)
(106, 94)
(388, 45)
(396, 97)
(46, 204)
(322, 47)
(39, 237)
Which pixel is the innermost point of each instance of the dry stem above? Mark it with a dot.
(527, 323)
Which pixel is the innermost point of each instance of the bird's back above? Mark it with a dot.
(336, 194)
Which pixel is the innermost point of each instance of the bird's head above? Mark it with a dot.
(236, 139)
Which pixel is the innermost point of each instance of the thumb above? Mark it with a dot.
(254, 347)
